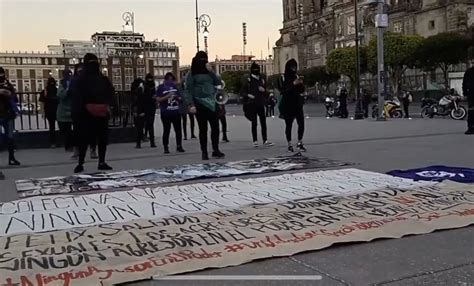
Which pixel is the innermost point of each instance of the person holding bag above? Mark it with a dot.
(92, 95)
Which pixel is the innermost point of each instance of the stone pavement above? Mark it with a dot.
(440, 258)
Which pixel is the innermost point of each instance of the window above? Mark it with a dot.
(173, 54)
(351, 25)
(12, 73)
(2, 60)
(72, 61)
(39, 85)
(26, 85)
(39, 73)
(118, 86)
(127, 86)
(46, 61)
(156, 72)
(161, 54)
(156, 63)
(128, 61)
(397, 27)
(140, 61)
(128, 72)
(23, 61)
(170, 63)
(116, 61)
(55, 62)
(431, 25)
(116, 72)
(26, 74)
(14, 84)
(141, 72)
(234, 68)
(169, 54)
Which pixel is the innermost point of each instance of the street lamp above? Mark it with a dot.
(202, 23)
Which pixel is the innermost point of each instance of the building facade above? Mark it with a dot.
(29, 71)
(312, 28)
(240, 63)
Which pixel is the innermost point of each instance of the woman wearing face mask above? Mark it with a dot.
(50, 100)
(149, 102)
(292, 89)
(201, 86)
(169, 97)
(64, 111)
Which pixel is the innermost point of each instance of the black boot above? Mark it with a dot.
(218, 154)
(152, 143)
(11, 154)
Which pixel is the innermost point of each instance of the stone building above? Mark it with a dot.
(312, 28)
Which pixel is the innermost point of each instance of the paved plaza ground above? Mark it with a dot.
(440, 258)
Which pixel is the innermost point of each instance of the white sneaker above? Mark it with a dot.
(255, 144)
(268, 143)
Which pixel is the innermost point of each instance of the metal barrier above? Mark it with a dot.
(32, 117)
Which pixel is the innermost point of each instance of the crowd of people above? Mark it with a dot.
(81, 106)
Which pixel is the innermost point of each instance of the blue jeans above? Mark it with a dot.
(8, 128)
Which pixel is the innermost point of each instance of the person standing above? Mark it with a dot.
(468, 91)
(170, 99)
(406, 100)
(64, 111)
(271, 102)
(343, 103)
(150, 107)
(92, 96)
(254, 97)
(201, 85)
(292, 101)
(8, 112)
(50, 100)
(221, 113)
(138, 109)
(366, 98)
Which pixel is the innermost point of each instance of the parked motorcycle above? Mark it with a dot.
(332, 107)
(447, 105)
(392, 109)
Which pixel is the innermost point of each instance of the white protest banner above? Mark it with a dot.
(140, 249)
(64, 212)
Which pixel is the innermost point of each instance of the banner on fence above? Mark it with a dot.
(140, 249)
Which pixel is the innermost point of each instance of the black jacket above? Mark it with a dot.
(292, 99)
(468, 86)
(49, 97)
(251, 86)
(7, 101)
(90, 88)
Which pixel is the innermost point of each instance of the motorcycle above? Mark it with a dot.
(447, 105)
(332, 107)
(392, 109)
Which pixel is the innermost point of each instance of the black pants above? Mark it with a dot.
(343, 109)
(149, 124)
(139, 128)
(184, 119)
(365, 107)
(470, 117)
(406, 106)
(299, 116)
(205, 116)
(223, 121)
(8, 127)
(67, 133)
(167, 121)
(91, 131)
(259, 114)
(52, 128)
(270, 110)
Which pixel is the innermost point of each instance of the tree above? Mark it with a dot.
(234, 80)
(343, 61)
(319, 75)
(443, 51)
(399, 54)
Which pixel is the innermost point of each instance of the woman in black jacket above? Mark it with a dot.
(292, 101)
(49, 98)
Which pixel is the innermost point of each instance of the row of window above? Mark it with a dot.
(27, 73)
(161, 63)
(28, 61)
(161, 54)
(128, 61)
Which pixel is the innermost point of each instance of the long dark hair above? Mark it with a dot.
(198, 65)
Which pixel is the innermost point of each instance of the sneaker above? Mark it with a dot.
(185, 138)
(301, 147)
(291, 149)
(469, 132)
(205, 157)
(193, 137)
(268, 143)
(218, 154)
(94, 154)
(79, 169)
(180, 149)
(152, 145)
(13, 162)
(104, 167)
(225, 140)
(167, 150)
(255, 144)
(138, 146)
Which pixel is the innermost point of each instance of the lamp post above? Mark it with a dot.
(359, 113)
(381, 22)
(202, 23)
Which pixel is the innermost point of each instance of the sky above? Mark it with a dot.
(32, 25)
